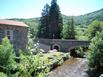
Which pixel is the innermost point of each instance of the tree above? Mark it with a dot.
(69, 30)
(43, 30)
(72, 27)
(7, 56)
(2, 74)
(93, 28)
(96, 51)
(55, 21)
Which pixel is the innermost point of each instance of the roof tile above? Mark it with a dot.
(12, 22)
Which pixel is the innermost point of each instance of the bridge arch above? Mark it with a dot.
(64, 45)
(78, 51)
(56, 46)
(74, 47)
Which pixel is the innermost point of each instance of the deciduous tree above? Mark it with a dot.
(93, 28)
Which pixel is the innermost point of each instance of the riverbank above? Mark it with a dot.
(54, 59)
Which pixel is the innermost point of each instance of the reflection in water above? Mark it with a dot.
(74, 67)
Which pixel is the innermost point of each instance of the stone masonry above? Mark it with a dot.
(19, 36)
(63, 45)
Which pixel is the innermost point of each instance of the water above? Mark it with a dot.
(74, 67)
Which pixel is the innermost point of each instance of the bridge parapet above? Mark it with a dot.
(64, 45)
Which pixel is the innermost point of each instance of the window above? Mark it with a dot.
(9, 34)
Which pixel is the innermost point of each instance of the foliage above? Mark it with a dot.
(96, 51)
(28, 66)
(54, 58)
(101, 75)
(93, 28)
(81, 33)
(7, 56)
(69, 30)
(72, 26)
(51, 18)
(55, 21)
(84, 20)
(51, 22)
(2, 74)
(33, 26)
(33, 45)
(31, 65)
(43, 29)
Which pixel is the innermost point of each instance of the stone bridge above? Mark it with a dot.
(62, 45)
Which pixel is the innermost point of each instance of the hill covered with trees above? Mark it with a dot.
(85, 19)
(81, 22)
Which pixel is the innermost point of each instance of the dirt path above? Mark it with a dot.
(74, 67)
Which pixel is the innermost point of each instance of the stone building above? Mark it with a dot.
(16, 33)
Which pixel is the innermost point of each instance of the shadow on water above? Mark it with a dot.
(96, 72)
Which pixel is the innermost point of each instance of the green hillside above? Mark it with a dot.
(86, 19)
(79, 20)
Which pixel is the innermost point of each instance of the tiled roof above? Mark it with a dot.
(12, 22)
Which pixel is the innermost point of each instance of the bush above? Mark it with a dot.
(7, 56)
(101, 75)
(95, 26)
(28, 66)
(2, 74)
(96, 51)
(31, 65)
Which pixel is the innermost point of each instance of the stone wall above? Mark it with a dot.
(45, 47)
(64, 45)
(19, 36)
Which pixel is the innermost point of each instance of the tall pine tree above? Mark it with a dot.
(69, 30)
(72, 26)
(55, 21)
(43, 29)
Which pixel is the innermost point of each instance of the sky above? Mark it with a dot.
(33, 8)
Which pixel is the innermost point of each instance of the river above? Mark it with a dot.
(73, 67)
